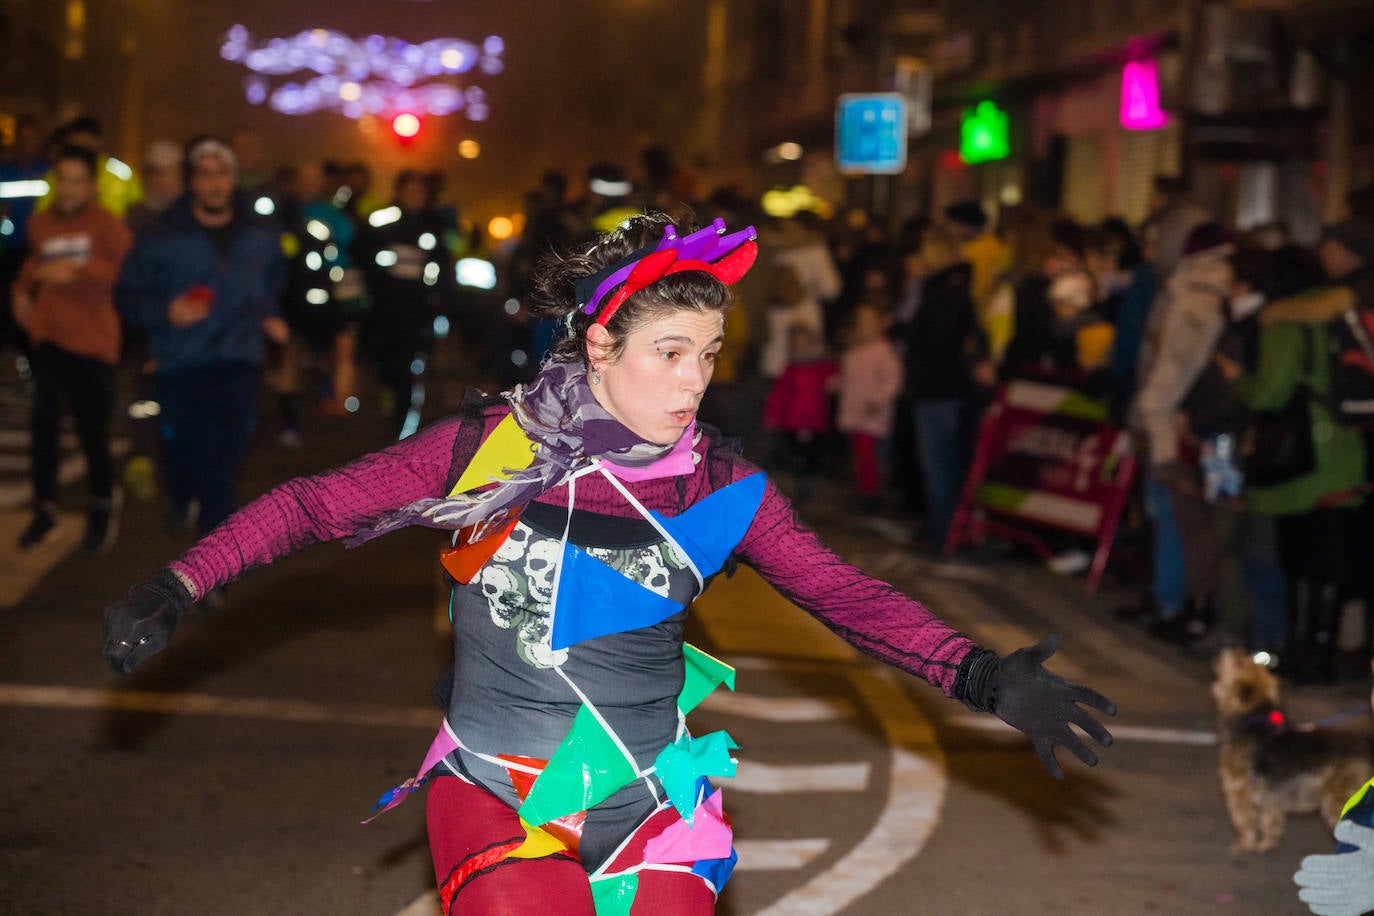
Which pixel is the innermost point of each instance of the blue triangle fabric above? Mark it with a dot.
(596, 600)
(717, 871)
(711, 529)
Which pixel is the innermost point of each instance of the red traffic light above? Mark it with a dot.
(405, 125)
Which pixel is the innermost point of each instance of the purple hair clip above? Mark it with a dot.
(706, 246)
(705, 239)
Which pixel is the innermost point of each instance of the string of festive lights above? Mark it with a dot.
(376, 75)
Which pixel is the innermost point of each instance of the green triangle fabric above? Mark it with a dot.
(615, 895)
(587, 768)
(704, 674)
(682, 763)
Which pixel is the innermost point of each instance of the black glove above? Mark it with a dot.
(1020, 692)
(139, 624)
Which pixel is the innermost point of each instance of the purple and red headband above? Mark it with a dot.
(727, 257)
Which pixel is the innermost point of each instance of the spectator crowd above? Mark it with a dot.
(1241, 362)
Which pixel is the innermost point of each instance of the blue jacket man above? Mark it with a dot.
(205, 285)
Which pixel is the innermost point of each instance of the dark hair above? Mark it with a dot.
(1171, 184)
(86, 124)
(77, 154)
(554, 279)
(1069, 234)
(1285, 271)
(1207, 236)
(1114, 238)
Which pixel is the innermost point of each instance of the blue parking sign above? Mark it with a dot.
(870, 132)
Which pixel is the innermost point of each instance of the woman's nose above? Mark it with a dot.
(694, 376)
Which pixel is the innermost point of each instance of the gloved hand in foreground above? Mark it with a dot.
(1019, 691)
(139, 624)
(1340, 884)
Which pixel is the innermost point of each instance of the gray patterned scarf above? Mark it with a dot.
(556, 411)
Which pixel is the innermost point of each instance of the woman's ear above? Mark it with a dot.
(600, 343)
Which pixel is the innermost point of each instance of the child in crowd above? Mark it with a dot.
(798, 405)
(870, 380)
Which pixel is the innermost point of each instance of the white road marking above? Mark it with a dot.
(779, 709)
(771, 779)
(834, 777)
(200, 704)
(778, 855)
(916, 792)
(17, 493)
(1119, 732)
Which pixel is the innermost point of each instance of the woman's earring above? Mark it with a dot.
(596, 377)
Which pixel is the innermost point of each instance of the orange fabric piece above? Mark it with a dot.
(463, 562)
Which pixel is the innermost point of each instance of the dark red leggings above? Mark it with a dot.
(471, 830)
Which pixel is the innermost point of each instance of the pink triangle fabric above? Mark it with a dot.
(709, 838)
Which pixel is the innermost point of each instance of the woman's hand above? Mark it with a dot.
(1021, 692)
(138, 625)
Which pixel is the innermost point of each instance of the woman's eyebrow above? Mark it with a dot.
(686, 339)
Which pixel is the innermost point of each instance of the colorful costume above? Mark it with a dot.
(546, 665)
(578, 545)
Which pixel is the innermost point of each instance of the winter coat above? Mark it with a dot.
(179, 254)
(800, 399)
(944, 340)
(870, 380)
(79, 316)
(1293, 332)
(1193, 318)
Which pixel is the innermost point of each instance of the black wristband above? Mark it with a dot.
(972, 680)
(169, 587)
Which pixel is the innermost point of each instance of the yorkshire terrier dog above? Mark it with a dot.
(1271, 768)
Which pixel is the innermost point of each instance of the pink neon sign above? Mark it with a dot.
(1140, 96)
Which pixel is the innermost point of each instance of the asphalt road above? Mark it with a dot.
(229, 775)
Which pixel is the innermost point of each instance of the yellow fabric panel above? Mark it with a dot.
(506, 449)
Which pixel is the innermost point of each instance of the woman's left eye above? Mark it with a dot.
(710, 357)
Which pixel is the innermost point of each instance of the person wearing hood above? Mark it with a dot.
(1191, 317)
(204, 284)
(1314, 504)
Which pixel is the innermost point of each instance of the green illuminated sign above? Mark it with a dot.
(984, 134)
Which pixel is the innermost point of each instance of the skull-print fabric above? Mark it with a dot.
(517, 584)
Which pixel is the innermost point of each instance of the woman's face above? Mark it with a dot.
(656, 383)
